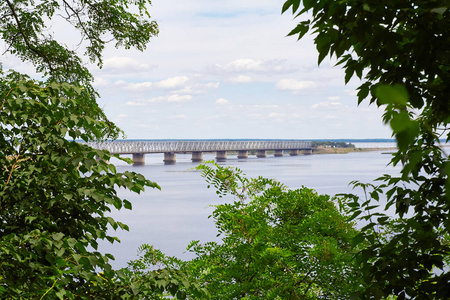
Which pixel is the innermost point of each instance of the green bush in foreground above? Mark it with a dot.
(276, 243)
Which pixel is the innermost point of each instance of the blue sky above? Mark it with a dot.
(225, 69)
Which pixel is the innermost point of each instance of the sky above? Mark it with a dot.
(227, 70)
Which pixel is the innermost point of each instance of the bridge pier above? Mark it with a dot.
(138, 159)
(243, 154)
(308, 151)
(197, 156)
(293, 152)
(221, 155)
(170, 158)
(278, 153)
(261, 153)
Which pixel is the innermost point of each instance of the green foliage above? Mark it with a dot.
(157, 276)
(276, 243)
(26, 28)
(55, 194)
(401, 51)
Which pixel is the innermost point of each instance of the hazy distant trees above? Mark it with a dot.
(332, 144)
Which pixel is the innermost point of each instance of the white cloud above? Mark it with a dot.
(100, 82)
(178, 117)
(119, 64)
(295, 85)
(198, 88)
(179, 98)
(241, 79)
(139, 86)
(120, 117)
(177, 85)
(251, 65)
(351, 92)
(171, 98)
(161, 99)
(120, 82)
(334, 98)
(326, 105)
(253, 107)
(221, 101)
(136, 103)
(276, 115)
(172, 83)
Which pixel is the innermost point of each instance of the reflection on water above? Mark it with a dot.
(169, 219)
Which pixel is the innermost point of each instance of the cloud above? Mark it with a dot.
(326, 105)
(240, 79)
(136, 103)
(138, 86)
(176, 98)
(253, 107)
(178, 117)
(251, 65)
(276, 115)
(172, 83)
(351, 92)
(198, 88)
(119, 64)
(295, 85)
(335, 98)
(172, 98)
(100, 82)
(120, 117)
(221, 101)
(176, 85)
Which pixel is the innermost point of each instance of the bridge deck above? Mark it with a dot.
(129, 147)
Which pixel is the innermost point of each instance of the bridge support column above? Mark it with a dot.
(170, 158)
(278, 153)
(221, 155)
(197, 156)
(293, 152)
(308, 151)
(261, 153)
(138, 159)
(243, 154)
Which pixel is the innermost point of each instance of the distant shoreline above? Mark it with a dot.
(330, 150)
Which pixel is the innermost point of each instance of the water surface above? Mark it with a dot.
(169, 219)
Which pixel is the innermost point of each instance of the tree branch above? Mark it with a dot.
(25, 38)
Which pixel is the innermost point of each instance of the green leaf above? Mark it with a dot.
(392, 94)
(58, 236)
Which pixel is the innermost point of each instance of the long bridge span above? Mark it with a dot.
(170, 148)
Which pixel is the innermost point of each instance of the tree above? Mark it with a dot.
(400, 50)
(25, 27)
(277, 243)
(55, 192)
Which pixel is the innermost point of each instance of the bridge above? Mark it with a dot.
(170, 148)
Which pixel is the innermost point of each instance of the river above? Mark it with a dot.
(169, 219)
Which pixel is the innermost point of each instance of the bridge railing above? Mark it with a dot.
(129, 147)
